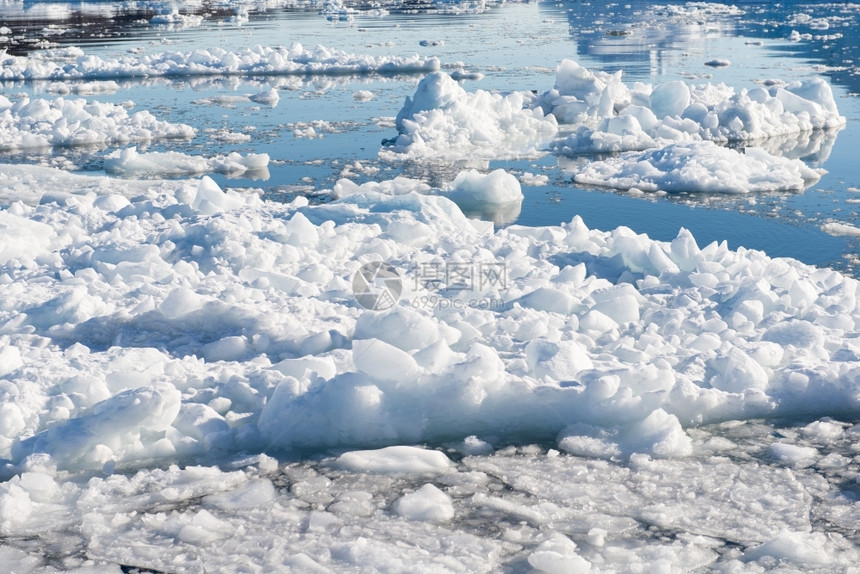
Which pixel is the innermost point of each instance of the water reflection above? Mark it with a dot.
(439, 173)
(813, 147)
(639, 32)
(659, 36)
(501, 214)
(836, 51)
(38, 25)
(34, 25)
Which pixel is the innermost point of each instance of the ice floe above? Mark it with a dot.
(590, 111)
(608, 115)
(699, 167)
(176, 21)
(129, 162)
(41, 123)
(75, 63)
(442, 120)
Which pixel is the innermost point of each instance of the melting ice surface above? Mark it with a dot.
(195, 377)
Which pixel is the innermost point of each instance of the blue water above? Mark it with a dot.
(516, 47)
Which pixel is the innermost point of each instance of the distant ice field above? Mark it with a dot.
(323, 124)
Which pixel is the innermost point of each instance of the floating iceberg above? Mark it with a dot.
(589, 112)
(442, 120)
(609, 116)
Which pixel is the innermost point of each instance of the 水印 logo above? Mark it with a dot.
(377, 286)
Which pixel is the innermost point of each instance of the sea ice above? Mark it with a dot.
(223, 297)
(74, 63)
(558, 556)
(699, 166)
(176, 21)
(607, 115)
(443, 120)
(841, 229)
(588, 112)
(472, 188)
(145, 323)
(40, 123)
(426, 503)
(129, 162)
(396, 459)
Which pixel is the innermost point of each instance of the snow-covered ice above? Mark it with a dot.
(189, 380)
(700, 166)
(42, 123)
(176, 21)
(442, 120)
(396, 459)
(608, 115)
(75, 63)
(496, 196)
(426, 503)
(129, 162)
(589, 111)
(837, 228)
(158, 321)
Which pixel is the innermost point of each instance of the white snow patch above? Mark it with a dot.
(395, 459)
(428, 503)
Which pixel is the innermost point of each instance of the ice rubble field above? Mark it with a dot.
(149, 322)
(147, 325)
